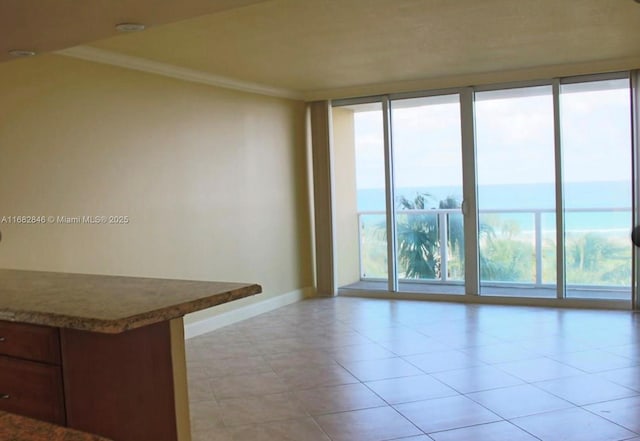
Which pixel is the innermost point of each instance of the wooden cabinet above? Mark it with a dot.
(30, 342)
(30, 372)
(121, 386)
(31, 389)
(102, 354)
(111, 378)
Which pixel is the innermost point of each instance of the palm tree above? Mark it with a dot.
(418, 239)
(455, 234)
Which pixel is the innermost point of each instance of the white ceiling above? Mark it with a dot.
(47, 25)
(314, 45)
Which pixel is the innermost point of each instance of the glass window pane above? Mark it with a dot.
(516, 191)
(596, 144)
(359, 173)
(427, 158)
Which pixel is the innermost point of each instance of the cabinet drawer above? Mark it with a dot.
(31, 389)
(31, 342)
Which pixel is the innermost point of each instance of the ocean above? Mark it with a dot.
(603, 196)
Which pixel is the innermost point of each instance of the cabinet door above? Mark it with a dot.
(31, 389)
(120, 385)
(31, 342)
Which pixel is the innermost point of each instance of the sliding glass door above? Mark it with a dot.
(427, 171)
(547, 196)
(596, 143)
(516, 192)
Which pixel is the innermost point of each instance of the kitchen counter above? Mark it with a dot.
(19, 428)
(109, 304)
(101, 354)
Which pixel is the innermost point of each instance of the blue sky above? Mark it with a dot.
(514, 135)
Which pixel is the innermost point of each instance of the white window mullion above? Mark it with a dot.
(560, 255)
(392, 268)
(635, 154)
(469, 192)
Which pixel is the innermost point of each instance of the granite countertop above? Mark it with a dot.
(108, 304)
(19, 428)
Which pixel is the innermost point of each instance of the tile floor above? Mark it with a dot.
(350, 369)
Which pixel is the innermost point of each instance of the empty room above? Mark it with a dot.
(319, 220)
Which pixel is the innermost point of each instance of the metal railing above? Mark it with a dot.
(443, 216)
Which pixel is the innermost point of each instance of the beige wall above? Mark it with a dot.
(346, 204)
(213, 181)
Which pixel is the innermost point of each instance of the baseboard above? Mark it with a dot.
(244, 312)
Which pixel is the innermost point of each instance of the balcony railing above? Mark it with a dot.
(590, 233)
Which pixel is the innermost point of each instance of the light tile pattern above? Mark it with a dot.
(348, 369)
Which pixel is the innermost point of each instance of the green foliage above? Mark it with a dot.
(504, 255)
(455, 235)
(373, 244)
(506, 252)
(418, 238)
(595, 258)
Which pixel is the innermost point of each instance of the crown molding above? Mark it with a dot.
(96, 55)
